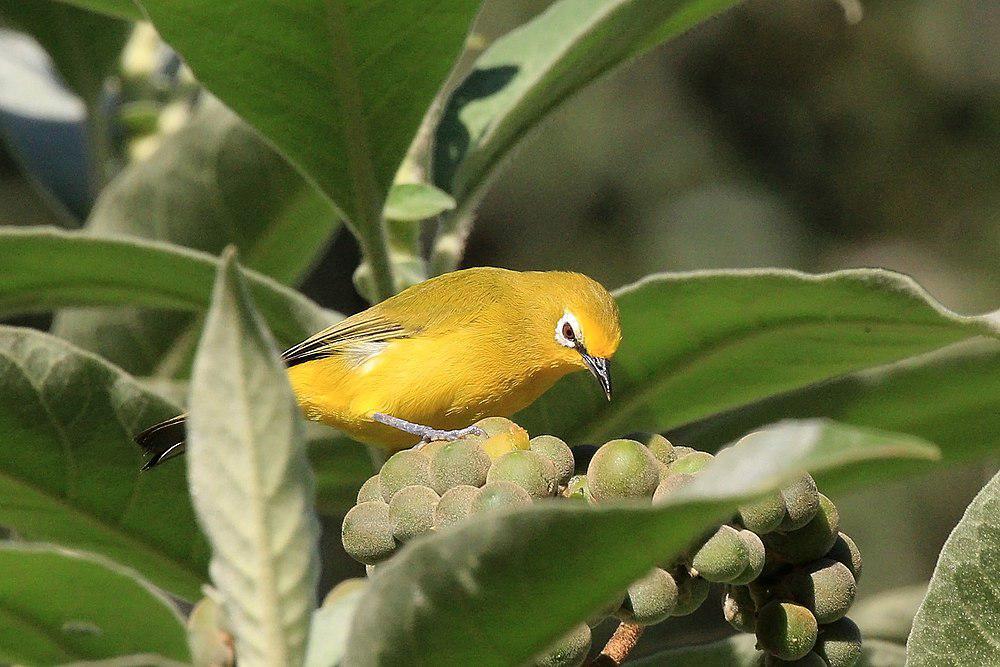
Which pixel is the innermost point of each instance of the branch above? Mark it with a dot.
(619, 646)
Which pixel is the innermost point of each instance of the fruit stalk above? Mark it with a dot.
(619, 646)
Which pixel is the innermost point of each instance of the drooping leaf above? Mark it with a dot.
(694, 344)
(412, 202)
(213, 183)
(250, 479)
(511, 582)
(959, 621)
(45, 269)
(69, 471)
(61, 606)
(739, 651)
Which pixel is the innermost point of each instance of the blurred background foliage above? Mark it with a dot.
(779, 134)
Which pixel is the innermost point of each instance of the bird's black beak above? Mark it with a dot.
(598, 366)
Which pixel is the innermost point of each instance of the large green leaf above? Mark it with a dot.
(951, 398)
(60, 605)
(69, 471)
(250, 479)
(959, 621)
(45, 268)
(213, 183)
(339, 86)
(511, 582)
(739, 651)
(125, 9)
(695, 344)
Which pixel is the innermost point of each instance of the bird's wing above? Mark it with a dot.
(346, 337)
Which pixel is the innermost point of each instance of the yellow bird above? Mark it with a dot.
(427, 363)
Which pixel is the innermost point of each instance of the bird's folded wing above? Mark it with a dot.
(360, 331)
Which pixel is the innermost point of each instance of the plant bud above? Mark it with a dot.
(738, 608)
(458, 462)
(785, 630)
(691, 463)
(658, 446)
(570, 651)
(691, 593)
(723, 557)
(370, 490)
(812, 541)
(801, 503)
(755, 553)
(622, 469)
(533, 472)
(578, 488)
(811, 659)
(826, 586)
(556, 451)
(846, 551)
(502, 436)
(412, 511)
(669, 483)
(408, 467)
(650, 600)
(455, 505)
(499, 494)
(839, 643)
(367, 532)
(764, 515)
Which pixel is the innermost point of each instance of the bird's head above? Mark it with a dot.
(582, 325)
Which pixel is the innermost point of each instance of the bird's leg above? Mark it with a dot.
(426, 433)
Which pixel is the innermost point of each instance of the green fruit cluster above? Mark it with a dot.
(790, 574)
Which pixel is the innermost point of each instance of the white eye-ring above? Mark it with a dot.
(568, 332)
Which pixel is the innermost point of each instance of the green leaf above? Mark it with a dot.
(695, 344)
(45, 268)
(339, 86)
(60, 605)
(957, 391)
(889, 614)
(511, 582)
(525, 74)
(125, 9)
(69, 471)
(959, 621)
(412, 202)
(213, 183)
(250, 479)
(739, 651)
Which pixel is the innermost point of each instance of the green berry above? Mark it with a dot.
(556, 451)
(343, 588)
(570, 651)
(839, 643)
(622, 469)
(459, 462)
(499, 494)
(764, 515)
(502, 436)
(738, 608)
(408, 467)
(681, 450)
(691, 463)
(455, 505)
(691, 593)
(755, 553)
(801, 503)
(533, 472)
(411, 511)
(812, 541)
(370, 490)
(650, 599)
(785, 630)
(811, 659)
(578, 488)
(826, 586)
(607, 610)
(669, 483)
(367, 532)
(723, 557)
(846, 551)
(659, 447)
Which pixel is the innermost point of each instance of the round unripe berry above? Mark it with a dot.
(658, 446)
(846, 551)
(723, 557)
(570, 651)
(810, 542)
(502, 436)
(367, 532)
(669, 483)
(839, 643)
(343, 588)
(682, 450)
(691, 463)
(756, 555)
(499, 494)
(578, 488)
(801, 503)
(691, 593)
(456, 463)
(738, 608)
(408, 467)
(786, 630)
(826, 586)
(411, 511)
(370, 490)
(455, 505)
(532, 471)
(764, 515)
(811, 659)
(650, 599)
(556, 451)
(622, 469)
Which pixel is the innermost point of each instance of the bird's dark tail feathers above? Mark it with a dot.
(163, 441)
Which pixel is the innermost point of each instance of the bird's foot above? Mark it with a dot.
(426, 433)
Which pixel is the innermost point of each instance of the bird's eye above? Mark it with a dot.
(567, 331)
